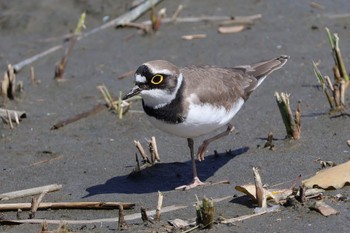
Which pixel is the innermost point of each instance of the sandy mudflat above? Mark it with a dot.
(92, 158)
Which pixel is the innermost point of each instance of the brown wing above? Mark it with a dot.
(222, 87)
(225, 85)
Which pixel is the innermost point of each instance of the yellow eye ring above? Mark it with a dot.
(157, 79)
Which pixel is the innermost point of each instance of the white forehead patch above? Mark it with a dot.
(140, 79)
(162, 71)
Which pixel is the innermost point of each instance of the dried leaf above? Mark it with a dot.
(331, 178)
(276, 194)
(323, 208)
(248, 189)
(230, 29)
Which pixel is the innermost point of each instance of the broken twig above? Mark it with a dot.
(177, 12)
(96, 109)
(153, 150)
(60, 67)
(142, 151)
(159, 206)
(120, 106)
(144, 216)
(269, 142)
(35, 204)
(9, 88)
(260, 191)
(205, 213)
(335, 92)
(122, 225)
(147, 161)
(292, 124)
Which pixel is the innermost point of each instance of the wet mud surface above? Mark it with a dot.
(93, 157)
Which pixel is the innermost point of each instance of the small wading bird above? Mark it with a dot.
(192, 101)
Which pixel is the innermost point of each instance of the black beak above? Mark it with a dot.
(135, 91)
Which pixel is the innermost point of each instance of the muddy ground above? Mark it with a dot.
(92, 158)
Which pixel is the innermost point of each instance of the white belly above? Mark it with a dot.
(201, 119)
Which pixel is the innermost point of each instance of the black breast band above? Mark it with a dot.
(171, 113)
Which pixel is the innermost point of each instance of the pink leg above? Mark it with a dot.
(196, 181)
(203, 147)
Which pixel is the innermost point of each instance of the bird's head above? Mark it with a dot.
(157, 82)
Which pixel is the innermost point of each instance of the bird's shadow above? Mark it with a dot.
(164, 176)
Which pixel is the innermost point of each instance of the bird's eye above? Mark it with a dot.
(157, 79)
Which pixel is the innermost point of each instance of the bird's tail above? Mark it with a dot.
(264, 68)
(259, 71)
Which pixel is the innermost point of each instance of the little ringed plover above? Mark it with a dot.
(192, 101)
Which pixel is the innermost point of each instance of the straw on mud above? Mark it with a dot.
(9, 120)
(35, 204)
(292, 124)
(260, 191)
(153, 150)
(32, 75)
(325, 84)
(144, 216)
(30, 192)
(177, 12)
(335, 92)
(242, 218)
(205, 213)
(91, 221)
(269, 142)
(45, 161)
(159, 206)
(204, 19)
(8, 84)
(44, 227)
(67, 205)
(125, 18)
(120, 106)
(122, 225)
(338, 59)
(60, 67)
(146, 29)
(142, 151)
(96, 109)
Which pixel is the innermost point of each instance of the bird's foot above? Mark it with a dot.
(196, 182)
(201, 151)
